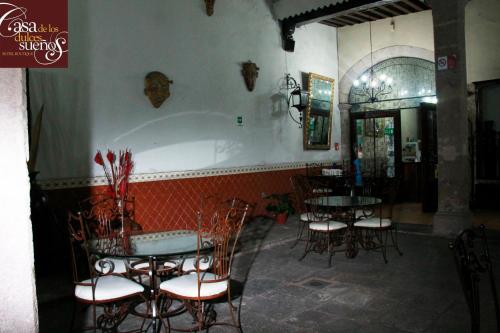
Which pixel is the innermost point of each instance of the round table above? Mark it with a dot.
(351, 203)
(155, 246)
(344, 201)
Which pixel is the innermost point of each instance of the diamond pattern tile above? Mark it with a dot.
(172, 204)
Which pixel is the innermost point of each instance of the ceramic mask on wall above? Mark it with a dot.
(250, 72)
(210, 7)
(157, 88)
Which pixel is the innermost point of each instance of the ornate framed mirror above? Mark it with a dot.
(319, 113)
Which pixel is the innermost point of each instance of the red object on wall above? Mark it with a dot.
(336, 146)
(172, 204)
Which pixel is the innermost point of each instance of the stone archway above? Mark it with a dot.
(359, 68)
(378, 56)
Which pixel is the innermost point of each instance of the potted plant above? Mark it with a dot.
(280, 206)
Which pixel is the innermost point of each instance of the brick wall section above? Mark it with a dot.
(171, 204)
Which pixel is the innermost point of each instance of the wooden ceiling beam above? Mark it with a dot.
(343, 20)
(331, 23)
(351, 17)
(361, 18)
(289, 24)
(401, 8)
(368, 16)
(391, 10)
(348, 19)
(411, 4)
(379, 12)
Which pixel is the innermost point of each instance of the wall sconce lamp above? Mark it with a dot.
(298, 98)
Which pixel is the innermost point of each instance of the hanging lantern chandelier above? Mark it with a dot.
(371, 86)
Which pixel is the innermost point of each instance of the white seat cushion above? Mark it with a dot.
(171, 264)
(327, 226)
(308, 217)
(189, 264)
(187, 286)
(373, 222)
(118, 262)
(142, 265)
(108, 287)
(360, 214)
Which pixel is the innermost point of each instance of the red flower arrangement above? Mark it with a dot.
(117, 175)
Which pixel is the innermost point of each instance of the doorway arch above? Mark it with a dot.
(414, 82)
(380, 55)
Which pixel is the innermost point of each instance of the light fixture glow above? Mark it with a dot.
(372, 86)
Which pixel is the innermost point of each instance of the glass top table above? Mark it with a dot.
(158, 244)
(350, 203)
(344, 201)
(155, 247)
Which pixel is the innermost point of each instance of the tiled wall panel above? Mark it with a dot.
(171, 204)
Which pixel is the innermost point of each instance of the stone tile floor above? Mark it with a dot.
(416, 292)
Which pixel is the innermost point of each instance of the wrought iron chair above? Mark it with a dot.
(370, 188)
(313, 169)
(106, 223)
(324, 233)
(373, 230)
(103, 287)
(209, 205)
(318, 185)
(199, 288)
(302, 190)
(472, 259)
(96, 204)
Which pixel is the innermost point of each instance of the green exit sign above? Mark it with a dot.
(389, 131)
(239, 120)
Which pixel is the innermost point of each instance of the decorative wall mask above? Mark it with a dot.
(210, 7)
(250, 72)
(157, 88)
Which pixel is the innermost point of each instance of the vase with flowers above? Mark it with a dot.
(117, 172)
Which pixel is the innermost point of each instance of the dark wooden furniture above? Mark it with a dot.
(411, 183)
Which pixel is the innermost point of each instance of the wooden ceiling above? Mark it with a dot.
(372, 13)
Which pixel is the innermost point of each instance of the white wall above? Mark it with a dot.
(409, 125)
(482, 29)
(482, 26)
(18, 308)
(99, 101)
(354, 41)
